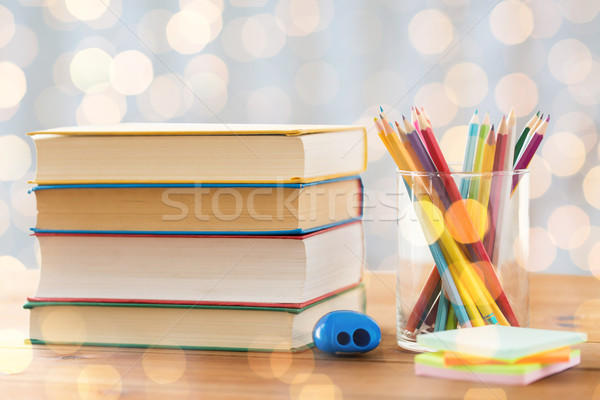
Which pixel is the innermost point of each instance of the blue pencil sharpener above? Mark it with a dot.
(346, 332)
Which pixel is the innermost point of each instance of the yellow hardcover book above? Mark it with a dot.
(193, 153)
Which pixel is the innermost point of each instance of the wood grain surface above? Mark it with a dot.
(70, 372)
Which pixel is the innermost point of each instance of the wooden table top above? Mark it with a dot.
(67, 372)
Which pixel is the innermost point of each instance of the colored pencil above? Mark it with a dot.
(404, 163)
(467, 230)
(523, 136)
(454, 292)
(426, 116)
(480, 215)
(413, 118)
(484, 129)
(464, 224)
(495, 190)
(469, 154)
(529, 152)
(511, 127)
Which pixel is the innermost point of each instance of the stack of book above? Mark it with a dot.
(195, 235)
(498, 354)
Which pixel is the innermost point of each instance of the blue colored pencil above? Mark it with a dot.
(469, 157)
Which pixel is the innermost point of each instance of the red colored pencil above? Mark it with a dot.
(496, 189)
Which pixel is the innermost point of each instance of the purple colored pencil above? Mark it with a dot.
(426, 161)
(529, 151)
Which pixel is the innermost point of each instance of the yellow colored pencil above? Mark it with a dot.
(481, 220)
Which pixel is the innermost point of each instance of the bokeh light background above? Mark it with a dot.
(67, 62)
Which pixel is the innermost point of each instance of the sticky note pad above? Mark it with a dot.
(505, 343)
(562, 354)
(432, 364)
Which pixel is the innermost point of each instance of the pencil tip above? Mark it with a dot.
(476, 112)
(538, 113)
(417, 111)
(548, 119)
(492, 128)
(403, 117)
(381, 108)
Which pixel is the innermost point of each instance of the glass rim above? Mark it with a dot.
(516, 172)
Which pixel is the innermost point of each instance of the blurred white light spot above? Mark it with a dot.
(594, 264)
(87, 10)
(581, 125)
(219, 4)
(99, 378)
(564, 152)
(152, 30)
(587, 236)
(547, 17)
(375, 147)
(109, 18)
(453, 144)
(169, 97)
(511, 22)
(430, 31)
(60, 13)
(131, 72)
(212, 11)
(301, 17)
(384, 86)
(189, 31)
(317, 83)
(564, 221)
(7, 26)
(15, 157)
(232, 41)
(13, 84)
(248, 3)
(541, 177)
(457, 3)
(439, 102)
(210, 91)
(4, 217)
(591, 187)
(516, 90)
(15, 353)
(468, 83)
(89, 67)
(261, 36)
(580, 11)
(23, 49)
(207, 63)
(269, 104)
(101, 106)
(61, 72)
(570, 61)
(543, 250)
(8, 113)
(587, 92)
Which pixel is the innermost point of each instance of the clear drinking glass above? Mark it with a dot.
(430, 223)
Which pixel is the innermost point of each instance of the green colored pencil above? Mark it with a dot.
(523, 136)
